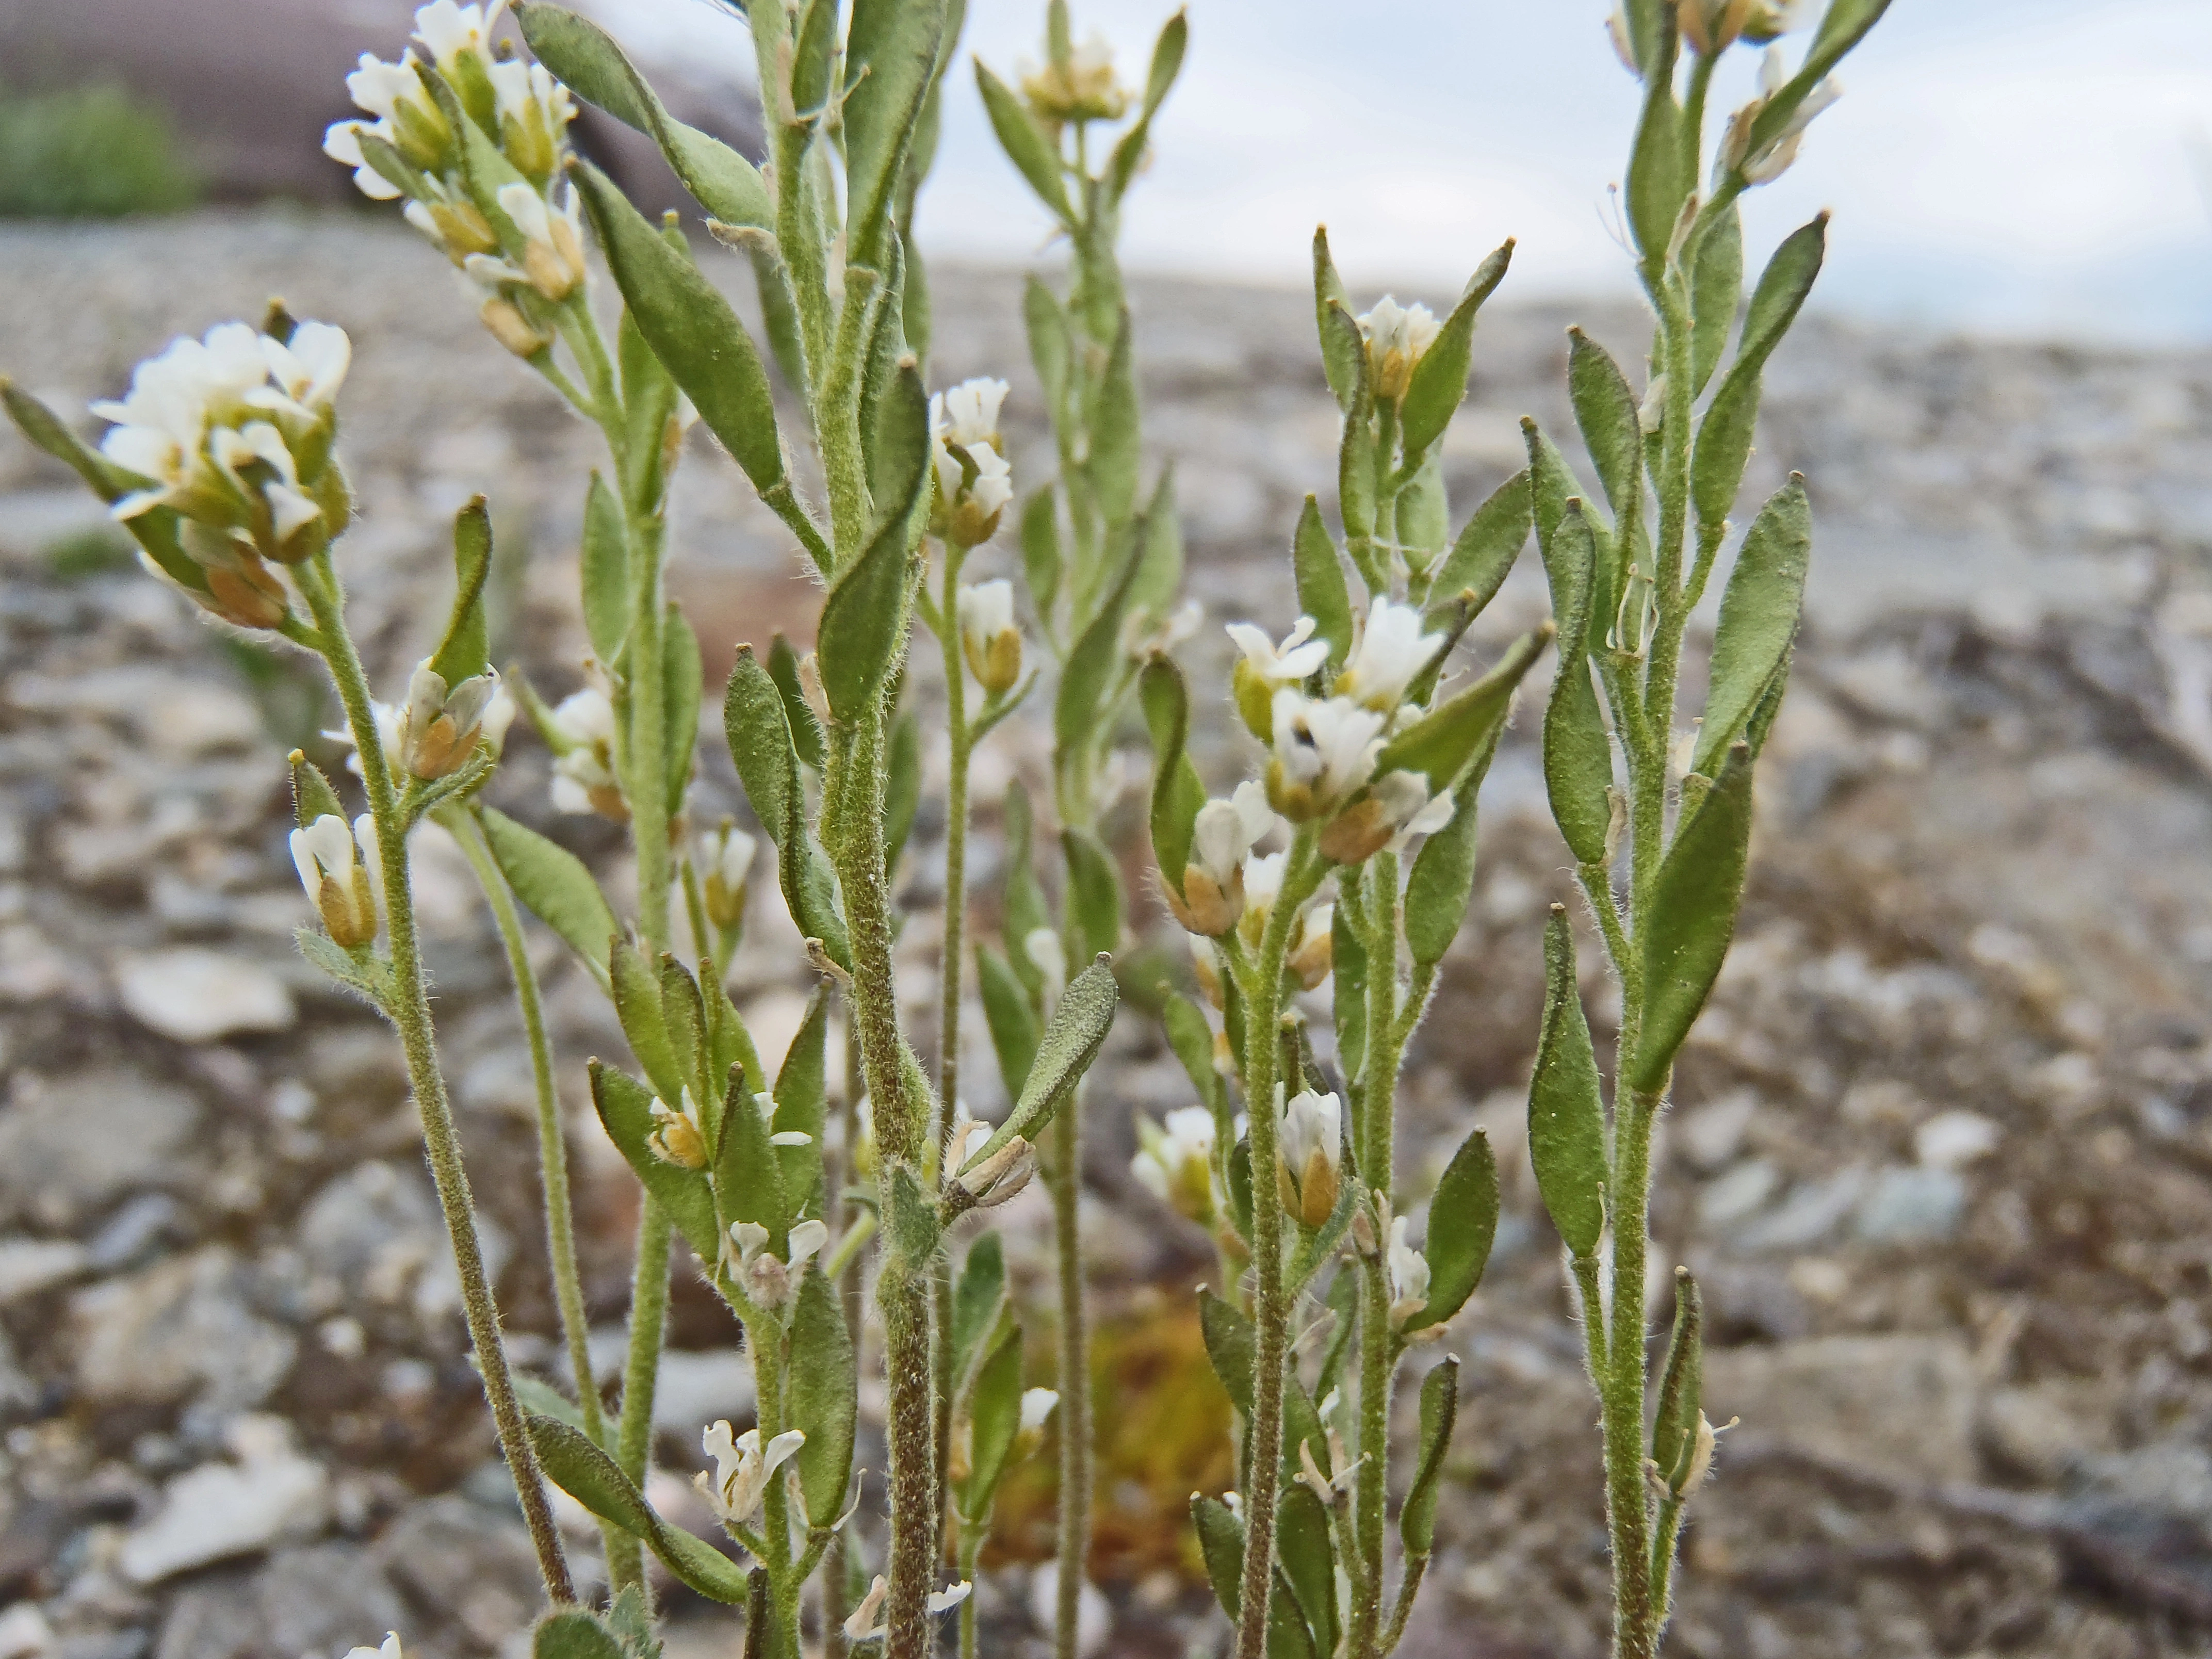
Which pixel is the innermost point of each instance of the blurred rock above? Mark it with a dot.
(70, 1144)
(197, 996)
(1901, 1406)
(31, 1265)
(466, 1566)
(223, 1509)
(1910, 1206)
(2044, 1431)
(181, 1327)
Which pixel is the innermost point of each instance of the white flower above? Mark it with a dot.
(988, 638)
(725, 854)
(162, 425)
(678, 1135)
(552, 243)
(1225, 830)
(968, 413)
(768, 1279)
(439, 729)
(1174, 1162)
(865, 1623)
(1396, 337)
(341, 142)
(1410, 807)
(742, 1468)
(1772, 159)
(1036, 1409)
(526, 91)
(390, 1649)
(973, 482)
(1391, 649)
(343, 892)
(1409, 1275)
(448, 30)
(1263, 880)
(582, 731)
(1324, 751)
(764, 1104)
(1298, 656)
(309, 369)
(1309, 1155)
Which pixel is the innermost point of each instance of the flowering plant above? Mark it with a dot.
(1321, 892)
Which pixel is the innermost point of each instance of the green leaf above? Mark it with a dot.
(814, 54)
(1566, 1115)
(1724, 439)
(1230, 1345)
(1072, 1037)
(313, 797)
(1191, 1038)
(1462, 1221)
(1039, 537)
(1095, 658)
(1221, 1543)
(691, 329)
(1343, 359)
(902, 785)
(1842, 26)
(911, 1228)
(760, 740)
(864, 618)
(554, 886)
(636, 992)
(1553, 487)
(1159, 575)
(588, 1474)
(584, 57)
(1167, 64)
(1444, 742)
(1322, 593)
(625, 1109)
(1715, 291)
(977, 1299)
(1011, 1018)
(892, 50)
(1442, 882)
(541, 1399)
(1022, 907)
(1177, 792)
(1348, 990)
(783, 668)
(1577, 752)
(606, 572)
(728, 1041)
(684, 1014)
(1034, 154)
(1094, 893)
(370, 975)
(1417, 1521)
(1694, 902)
(45, 430)
(1482, 557)
(1659, 175)
(1114, 432)
(1605, 409)
(824, 1401)
(648, 405)
(1423, 511)
(462, 653)
(1439, 379)
(802, 1104)
(681, 673)
(890, 432)
(748, 1176)
(1307, 1560)
(1052, 347)
(573, 1635)
(994, 1408)
(1681, 1389)
(1355, 454)
(1759, 611)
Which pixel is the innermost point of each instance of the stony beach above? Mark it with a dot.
(1940, 1153)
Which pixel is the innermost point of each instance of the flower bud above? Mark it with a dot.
(1037, 1406)
(1396, 337)
(336, 882)
(1078, 87)
(1223, 834)
(439, 729)
(1175, 1161)
(969, 463)
(580, 731)
(247, 594)
(1409, 1276)
(988, 638)
(1309, 1156)
(1313, 953)
(727, 858)
(999, 1177)
(503, 320)
(678, 1136)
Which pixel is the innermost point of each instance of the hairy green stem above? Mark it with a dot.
(648, 1319)
(1074, 1555)
(949, 963)
(1262, 1045)
(410, 1012)
(1628, 1510)
(1377, 1358)
(552, 1142)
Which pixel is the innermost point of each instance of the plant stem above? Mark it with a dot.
(1378, 1360)
(410, 1012)
(1628, 1514)
(1262, 1044)
(971, 1551)
(1074, 1411)
(648, 1317)
(552, 1143)
(950, 959)
(768, 1344)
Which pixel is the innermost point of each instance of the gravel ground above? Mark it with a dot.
(1940, 1152)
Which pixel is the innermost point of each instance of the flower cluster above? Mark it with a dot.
(968, 457)
(1396, 337)
(233, 434)
(493, 201)
(742, 1467)
(769, 1279)
(1077, 84)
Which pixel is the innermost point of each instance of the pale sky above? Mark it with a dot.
(2027, 167)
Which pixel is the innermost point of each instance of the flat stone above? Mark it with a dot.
(179, 1329)
(199, 996)
(1899, 1406)
(28, 1266)
(1912, 1206)
(71, 1144)
(466, 1564)
(2046, 1431)
(221, 1510)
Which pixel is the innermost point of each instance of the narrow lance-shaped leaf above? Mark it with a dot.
(806, 731)
(976, 1301)
(1724, 439)
(892, 51)
(1566, 1115)
(1439, 379)
(1340, 354)
(1417, 1521)
(1348, 988)
(1010, 1016)
(573, 1635)
(1114, 431)
(1159, 576)
(864, 618)
(1040, 539)
(1716, 289)
(748, 1179)
(1221, 1544)
(1605, 409)
(1027, 146)
(605, 563)
(639, 1007)
(1307, 1560)
(1322, 593)
(1051, 345)
(593, 1480)
(1682, 1388)
(1759, 611)
(995, 1418)
(802, 1104)
(1577, 752)
(1355, 455)
(1096, 658)
(1191, 1039)
(1166, 65)
(1072, 1037)
(681, 673)
(625, 1109)
(691, 329)
(1685, 938)
(1177, 792)
(554, 886)
(1462, 1223)
(1442, 882)
(760, 741)
(1094, 894)
(585, 58)
(1659, 176)
(1482, 557)
(684, 1013)
(648, 405)
(463, 652)
(1229, 1345)
(1444, 742)
(824, 1400)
